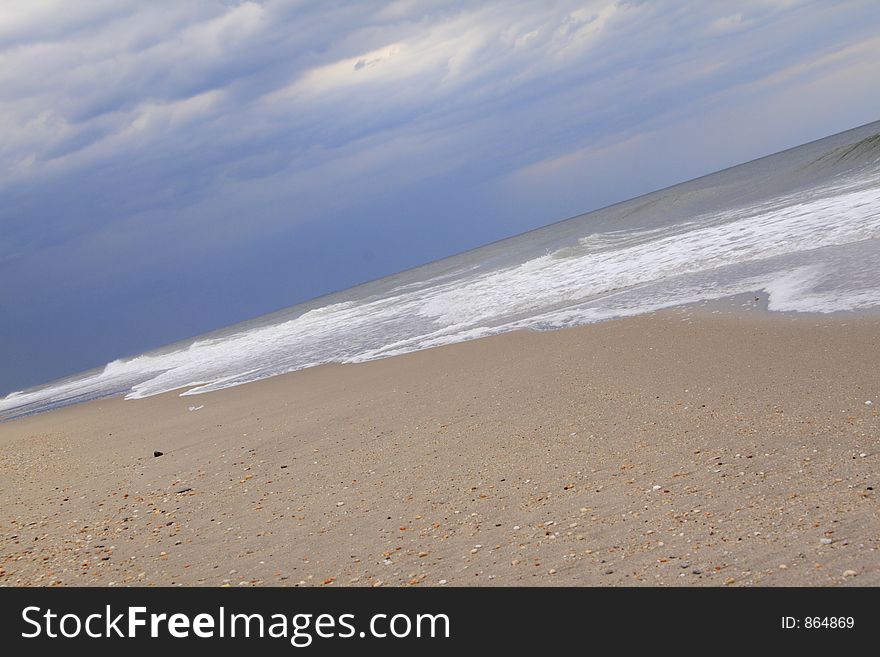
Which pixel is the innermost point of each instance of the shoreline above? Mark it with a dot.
(525, 458)
(753, 304)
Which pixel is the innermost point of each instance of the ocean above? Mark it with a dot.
(802, 227)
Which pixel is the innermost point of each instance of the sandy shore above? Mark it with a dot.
(681, 448)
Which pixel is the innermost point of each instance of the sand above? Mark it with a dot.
(679, 448)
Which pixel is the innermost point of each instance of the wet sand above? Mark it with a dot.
(680, 448)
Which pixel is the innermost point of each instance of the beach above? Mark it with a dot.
(694, 446)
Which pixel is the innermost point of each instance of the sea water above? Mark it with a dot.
(802, 226)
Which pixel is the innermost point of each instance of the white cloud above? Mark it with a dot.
(181, 102)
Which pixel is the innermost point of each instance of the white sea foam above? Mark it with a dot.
(816, 249)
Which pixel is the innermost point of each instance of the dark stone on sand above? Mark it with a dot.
(182, 491)
(157, 453)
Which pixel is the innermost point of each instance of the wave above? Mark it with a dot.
(811, 248)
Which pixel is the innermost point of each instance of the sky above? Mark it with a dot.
(168, 167)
